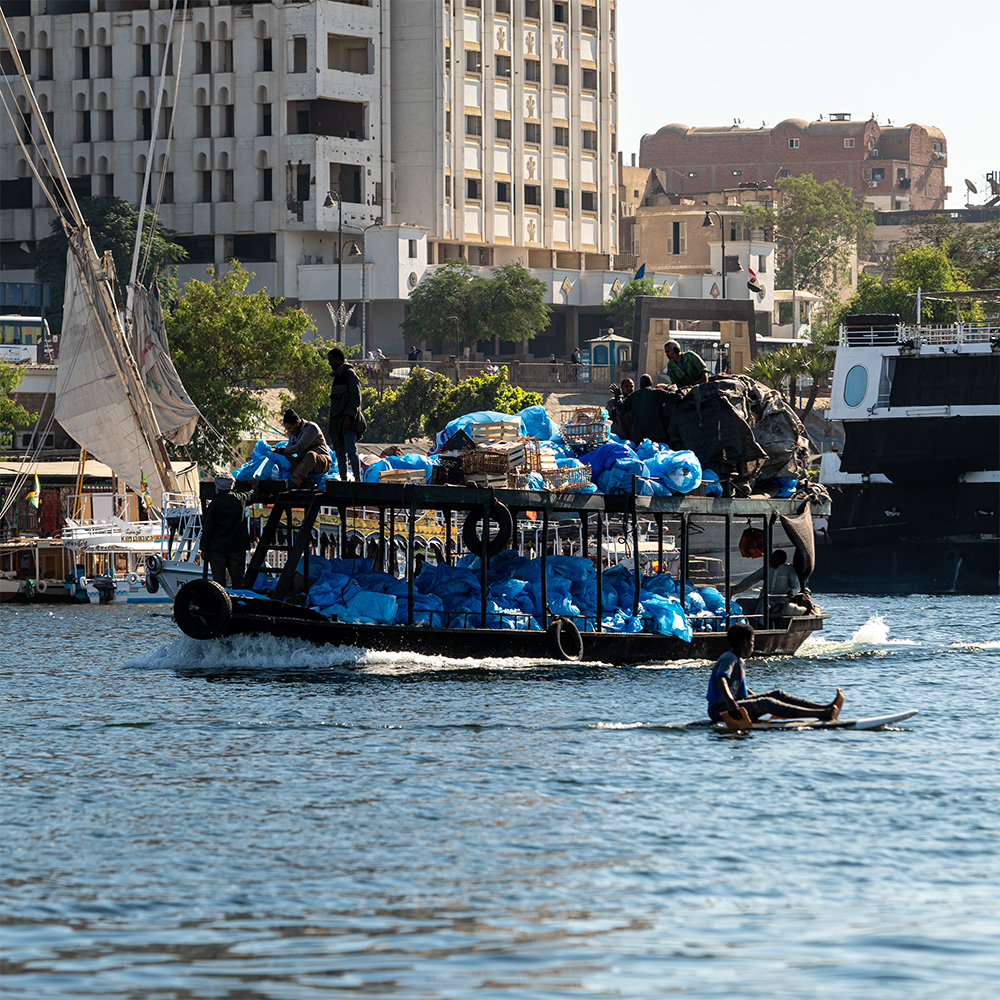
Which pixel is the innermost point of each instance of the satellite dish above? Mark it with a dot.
(971, 186)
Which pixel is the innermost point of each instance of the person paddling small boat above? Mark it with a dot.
(731, 701)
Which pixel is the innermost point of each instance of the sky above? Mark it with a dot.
(922, 62)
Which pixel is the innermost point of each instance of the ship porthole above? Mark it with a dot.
(856, 385)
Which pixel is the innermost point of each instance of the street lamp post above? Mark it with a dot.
(329, 203)
(364, 283)
(722, 226)
(458, 350)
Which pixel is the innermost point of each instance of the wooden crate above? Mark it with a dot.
(500, 456)
(498, 480)
(507, 429)
(402, 476)
(536, 460)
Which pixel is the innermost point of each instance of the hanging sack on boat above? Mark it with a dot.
(752, 543)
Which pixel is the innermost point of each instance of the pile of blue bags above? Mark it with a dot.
(265, 464)
(351, 590)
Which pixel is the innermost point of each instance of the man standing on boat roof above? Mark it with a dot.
(347, 421)
(225, 539)
(647, 412)
(306, 449)
(730, 700)
(684, 369)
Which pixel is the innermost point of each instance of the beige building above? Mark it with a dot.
(338, 149)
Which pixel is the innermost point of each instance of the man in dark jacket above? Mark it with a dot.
(647, 412)
(224, 536)
(619, 408)
(347, 422)
(306, 449)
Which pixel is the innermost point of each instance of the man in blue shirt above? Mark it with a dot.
(730, 700)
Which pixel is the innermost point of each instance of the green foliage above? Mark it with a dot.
(113, 225)
(926, 267)
(791, 365)
(816, 228)
(974, 251)
(11, 415)
(621, 309)
(228, 345)
(481, 392)
(509, 305)
(399, 414)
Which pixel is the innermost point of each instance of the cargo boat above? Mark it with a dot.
(205, 610)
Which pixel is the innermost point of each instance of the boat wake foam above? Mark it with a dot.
(872, 637)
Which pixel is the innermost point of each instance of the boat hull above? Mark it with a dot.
(266, 617)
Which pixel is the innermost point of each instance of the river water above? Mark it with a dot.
(257, 819)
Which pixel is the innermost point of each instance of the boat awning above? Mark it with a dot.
(785, 295)
(68, 469)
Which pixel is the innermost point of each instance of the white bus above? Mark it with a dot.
(24, 338)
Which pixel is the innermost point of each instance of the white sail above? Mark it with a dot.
(176, 415)
(100, 399)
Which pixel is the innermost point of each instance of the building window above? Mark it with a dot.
(226, 56)
(447, 122)
(848, 144)
(84, 131)
(560, 136)
(204, 122)
(229, 120)
(784, 173)
(473, 189)
(503, 128)
(447, 58)
(264, 57)
(735, 230)
(475, 4)
(588, 16)
(447, 185)
(166, 122)
(503, 67)
(226, 185)
(588, 201)
(793, 143)
(299, 54)
(560, 75)
(589, 138)
(533, 70)
(265, 119)
(205, 185)
(412, 249)
(202, 58)
(503, 192)
(560, 12)
(938, 147)
(107, 125)
(473, 125)
(762, 264)
(588, 79)
(502, 7)
(532, 194)
(532, 8)
(533, 132)
(562, 198)
(266, 185)
(878, 173)
(145, 123)
(677, 243)
(473, 62)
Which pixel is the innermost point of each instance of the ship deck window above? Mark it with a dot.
(856, 385)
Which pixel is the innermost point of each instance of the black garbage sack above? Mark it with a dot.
(740, 429)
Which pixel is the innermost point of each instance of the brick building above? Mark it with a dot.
(892, 168)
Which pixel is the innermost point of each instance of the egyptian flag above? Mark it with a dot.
(754, 285)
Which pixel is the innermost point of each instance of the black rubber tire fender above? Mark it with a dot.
(154, 564)
(203, 609)
(565, 639)
(152, 582)
(500, 515)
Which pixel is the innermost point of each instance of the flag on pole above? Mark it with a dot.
(640, 273)
(754, 285)
(144, 489)
(35, 495)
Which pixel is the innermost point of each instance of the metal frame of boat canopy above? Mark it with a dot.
(549, 506)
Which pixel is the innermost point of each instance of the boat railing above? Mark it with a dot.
(935, 334)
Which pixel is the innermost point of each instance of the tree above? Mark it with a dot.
(792, 364)
(228, 346)
(11, 414)
(451, 303)
(481, 392)
(621, 308)
(974, 251)
(927, 268)
(816, 227)
(398, 415)
(113, 225)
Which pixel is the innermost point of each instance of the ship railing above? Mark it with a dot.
(936, 334)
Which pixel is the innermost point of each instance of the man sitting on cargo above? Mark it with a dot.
(785, 594)
(306, 449)
(730, 700)
(684, 369)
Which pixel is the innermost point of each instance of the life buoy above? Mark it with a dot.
(500, 515)
(154, 564)
(41, 586)
(133, 579)
(752, 543)
(203, 609)
(565, 639)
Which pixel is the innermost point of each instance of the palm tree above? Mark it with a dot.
(792, 364)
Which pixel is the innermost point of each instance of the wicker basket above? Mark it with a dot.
(584, 427)
(498, 457)
(563, 480)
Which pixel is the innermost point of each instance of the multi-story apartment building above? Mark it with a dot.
(339, 148)
(892, 168)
